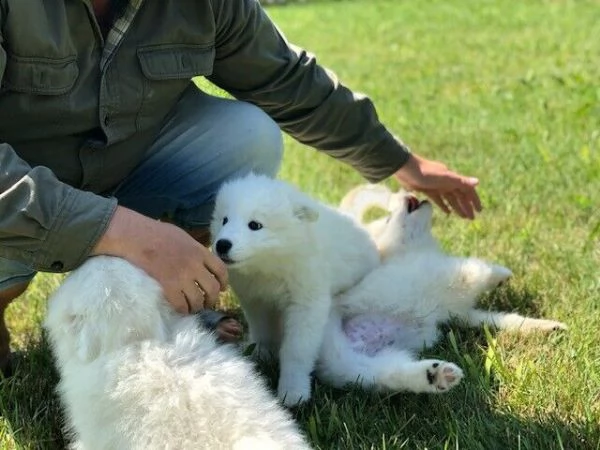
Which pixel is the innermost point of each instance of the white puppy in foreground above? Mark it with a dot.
(137, 375)
(312, 287)
(395, 310)
(288, 255)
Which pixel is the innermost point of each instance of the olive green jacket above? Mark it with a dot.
(73, 125)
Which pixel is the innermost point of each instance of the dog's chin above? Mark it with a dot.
(233, 263)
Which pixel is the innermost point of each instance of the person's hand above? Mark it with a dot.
(447, 189)
(190, 275)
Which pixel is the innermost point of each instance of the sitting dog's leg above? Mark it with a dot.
(303, 324)
(263, 329)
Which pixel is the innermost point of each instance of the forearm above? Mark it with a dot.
(306, 100)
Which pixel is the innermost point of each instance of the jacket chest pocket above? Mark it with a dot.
(167, 71)
(176, 62)
(40, 76)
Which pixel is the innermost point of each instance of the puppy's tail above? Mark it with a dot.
(360, 199)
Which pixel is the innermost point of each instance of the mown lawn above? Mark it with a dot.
(504, 90)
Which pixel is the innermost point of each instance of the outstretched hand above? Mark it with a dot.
(190, 275)
(447, 189)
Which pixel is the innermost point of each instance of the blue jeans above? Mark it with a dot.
(204, 141)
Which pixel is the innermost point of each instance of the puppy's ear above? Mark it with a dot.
(306, 213)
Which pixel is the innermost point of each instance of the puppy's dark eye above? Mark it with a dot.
(254, 225)
(225, 220)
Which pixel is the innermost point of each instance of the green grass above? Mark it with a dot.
(507, 91)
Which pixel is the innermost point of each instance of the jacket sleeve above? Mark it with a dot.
(44, 223)
(255, 63)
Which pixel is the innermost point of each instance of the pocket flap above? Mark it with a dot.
(174, 62)
(41, 76)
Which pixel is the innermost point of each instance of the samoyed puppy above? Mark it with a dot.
(288, 256)
(395, 310)
(134, 374)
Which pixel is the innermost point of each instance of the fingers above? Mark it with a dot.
(438, 200)
(463, 204)
(200, 293)
(464, 200)
(207, 282)
(218, 269)
(209, 288)
(449, 190)
(470, 194)
(195, 298)
(459, 205)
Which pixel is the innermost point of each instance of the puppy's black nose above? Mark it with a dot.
(223, 246)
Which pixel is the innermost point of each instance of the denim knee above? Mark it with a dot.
(206, 142)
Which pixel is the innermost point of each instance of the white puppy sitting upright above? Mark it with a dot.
(288, 255)
(136, 375)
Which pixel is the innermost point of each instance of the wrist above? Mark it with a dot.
(114, 240)
(406, 174)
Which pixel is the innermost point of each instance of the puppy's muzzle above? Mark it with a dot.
(222, 247)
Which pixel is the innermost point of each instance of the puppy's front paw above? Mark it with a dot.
(443, 376)
(293, 391)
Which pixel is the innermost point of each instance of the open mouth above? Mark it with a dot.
(413, 203)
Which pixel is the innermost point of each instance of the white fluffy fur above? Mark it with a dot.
(313, 289)
(137, 375)
(397, 307)
(287, 272)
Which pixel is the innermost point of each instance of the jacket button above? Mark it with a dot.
(57, 266)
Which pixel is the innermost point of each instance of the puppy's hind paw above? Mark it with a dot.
(541, 325)
(553, 325)
(443, 376)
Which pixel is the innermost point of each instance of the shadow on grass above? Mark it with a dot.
(464, 418)
(28, 404)
(509, 298)
(467, 417)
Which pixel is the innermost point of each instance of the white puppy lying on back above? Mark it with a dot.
(136, 375)
(393, 312)
(288, 255)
